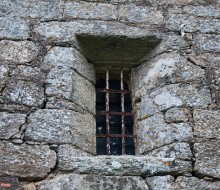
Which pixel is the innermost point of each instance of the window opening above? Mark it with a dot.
(114, 117)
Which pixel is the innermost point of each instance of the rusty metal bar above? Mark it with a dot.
(107, 113)
(122, 109)
(113, 113)
(113, 91)
(116, 135)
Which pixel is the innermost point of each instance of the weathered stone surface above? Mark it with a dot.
(11, 28)
(18, 52)
(207, 43)
(10, 124)
(177, 115)
(92, 182)
(161, 182)
(24, 92)
(30, 186)
(192, 183)
(70, 58)
(85, 10)
(207, 124)
(35, 9)
(140, 14)
(4, 71)
(175, 150)
(129, 165)
(202, 11)
(165, 69)
(25, 161)
(62, 126)
(65, 31)
(207, 158)
(175, 95)
(153, 133)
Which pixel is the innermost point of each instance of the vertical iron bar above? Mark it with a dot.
(107, 115)
(122, 109)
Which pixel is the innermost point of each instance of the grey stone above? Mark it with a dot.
(165, 69)
(69, 58)
(202, 11)
(30, 186)
(140, 14)
(65, 31)
(25, 161)
(34, 9)
(61, 127)
(193, 183)
(207, 43)
(207, 124)
(207, 158)
(161, 182)
(10, 124)
(13, 108)
(92, 182)
(126, 165)
(154, 133)
(18, 52)
(177, 115)
(4, 71)
(11, 28)
(85, 10)
(175, 150)
(24, 92)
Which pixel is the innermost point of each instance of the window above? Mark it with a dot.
(114, 117)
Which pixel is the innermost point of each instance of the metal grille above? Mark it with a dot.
(114, 117)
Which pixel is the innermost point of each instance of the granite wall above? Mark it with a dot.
(47, 93)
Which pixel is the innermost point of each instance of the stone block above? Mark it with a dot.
(85, 10)
(174, 115)
(209, 43)
(62, 127)
(125, 166)
(34, 9)
(180, 151)
(207, 124)
(18, 52)
(4, 71)
(193, 183)
(10, 124)
(154, 133)
(161, 182)
(65, 31)
(92, 182)
(69, 58)
(26, 161)
(140, 14)
(207, 158)
(24, 92)
(16, 29)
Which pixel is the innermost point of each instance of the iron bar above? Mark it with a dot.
(113, 91)
(122, 117)
(113, 113)
(107, 114)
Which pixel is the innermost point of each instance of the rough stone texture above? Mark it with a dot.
(66, 31)
(192, 183)
(4, 71)
(207, 158)
(13, 28)
(10, 124)
(207, 124)
(153, 133)
(175, 150)
(129, 165)
(140, 14)
(24, 92)
(161, 182)
(92, 182)
(175, 95)
(30, 186)
(174, 115)
(85, 10)
(61, 127)
(25, 161)
(35, 9)
(18, 52)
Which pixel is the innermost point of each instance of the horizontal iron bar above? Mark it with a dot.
(116, 135)
(113, 91)
(113, 113)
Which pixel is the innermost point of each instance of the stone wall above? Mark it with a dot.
(47, 94)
